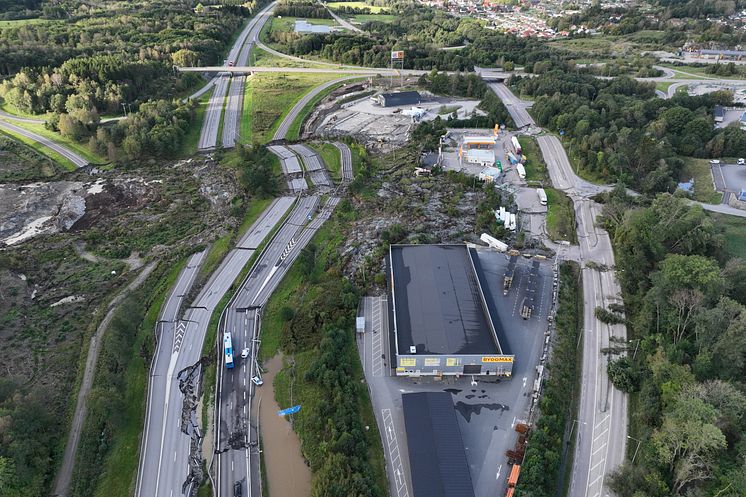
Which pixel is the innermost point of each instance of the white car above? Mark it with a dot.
(257, 381)
(244, 353)
(742, 162)
(715, 162)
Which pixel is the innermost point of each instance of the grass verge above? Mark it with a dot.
(560, 216)
(119, 468)
(704, 188)
(273, 97)
(734, 233)
(191, 140)
(76, 147)
(294, 130)
(314, 294)
(553, 431)
(332, 158)
(536, 168)
(38, 147)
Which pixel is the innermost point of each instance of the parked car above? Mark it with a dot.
(244, 353)
(742, 162)
(257, 381)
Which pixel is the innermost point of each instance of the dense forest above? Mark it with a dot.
(102, 58)
(618, 130)
(684, 298)
(421, 32)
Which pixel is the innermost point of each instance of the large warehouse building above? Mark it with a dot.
(442, 324)
(436, 449)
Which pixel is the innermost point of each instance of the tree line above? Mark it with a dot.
(619, 130)
(685, 302)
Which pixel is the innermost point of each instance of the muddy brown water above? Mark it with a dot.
(287, 473)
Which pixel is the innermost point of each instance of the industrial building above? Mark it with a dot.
(478, 150)
(436, 448)
(442, 323)
(399, 98)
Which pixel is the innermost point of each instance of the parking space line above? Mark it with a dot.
(377, 339)
(396, 465)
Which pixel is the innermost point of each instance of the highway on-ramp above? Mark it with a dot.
(284, 127)
(602, 417)
(170, 460)
(65, 152)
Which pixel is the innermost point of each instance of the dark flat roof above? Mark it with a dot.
(436, 450)
(437, 301)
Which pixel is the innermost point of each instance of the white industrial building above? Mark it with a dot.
(478, 150)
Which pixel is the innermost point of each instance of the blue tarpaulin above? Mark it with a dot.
(289, 410)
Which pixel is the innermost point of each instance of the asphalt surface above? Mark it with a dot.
(315, 167)
(234, 89)
(63, 151)
(170, 424)
(208, 136)
(233, 108)
(487, 412)
(284, 127)
(237, 437)
(602, 417)
(346, 161)
(291, 168)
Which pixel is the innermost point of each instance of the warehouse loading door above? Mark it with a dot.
(473, 369)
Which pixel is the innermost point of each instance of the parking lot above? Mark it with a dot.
(487, 411)
(729, 177)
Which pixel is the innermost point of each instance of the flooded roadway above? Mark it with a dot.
(286, 470)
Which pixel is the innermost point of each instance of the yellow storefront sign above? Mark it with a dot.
(451, 361)
(432, 361)
(407, 361)
(497, 359)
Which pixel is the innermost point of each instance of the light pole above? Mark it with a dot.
(636, 346)
(573, 427)
(636, 449)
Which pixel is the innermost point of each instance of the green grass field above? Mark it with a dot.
(704, 189)
(48, 152)
(734, 231)
(663, 86)
(272, 97)
(560, 216)
(536, 169)
(191, 140)
(262, 58)
(79, 148)
(332, 158)
(294, 130)
(357, 5)
(692, 72)
(363, 18)
(23, 22)
(287, 24)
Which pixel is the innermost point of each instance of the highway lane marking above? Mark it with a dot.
(597, 464)
(599, 449)
(499, 469)
(601, 435)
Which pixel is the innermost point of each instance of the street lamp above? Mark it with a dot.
(636, 345)
(636, 449)
(573, 427)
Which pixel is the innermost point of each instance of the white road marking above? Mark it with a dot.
(394, 456)
(499, 469)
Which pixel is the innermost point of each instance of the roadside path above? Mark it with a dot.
(64, 475)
